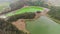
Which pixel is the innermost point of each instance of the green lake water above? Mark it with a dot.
(43, 25)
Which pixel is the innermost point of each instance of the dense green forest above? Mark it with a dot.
(55, 13)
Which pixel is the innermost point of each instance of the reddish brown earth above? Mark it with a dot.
(20, 24)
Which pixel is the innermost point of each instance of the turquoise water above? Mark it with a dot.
(43, 25)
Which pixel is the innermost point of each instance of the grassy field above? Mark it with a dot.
(3, 5)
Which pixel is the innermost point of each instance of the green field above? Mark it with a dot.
(3, 5)
(26, 9)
